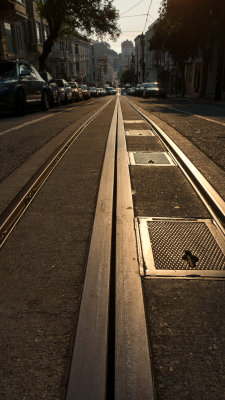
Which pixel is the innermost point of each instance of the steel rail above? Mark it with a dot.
(15, 210)
(133, 373)
(210, 197)
(88, 372)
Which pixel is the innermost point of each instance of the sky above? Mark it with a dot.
(135, 17)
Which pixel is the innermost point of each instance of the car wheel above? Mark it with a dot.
(20, 103)
(58, 102)
(66, 100)
(51, 100)
(45, 102)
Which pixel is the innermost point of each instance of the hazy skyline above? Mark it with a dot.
(133, 15)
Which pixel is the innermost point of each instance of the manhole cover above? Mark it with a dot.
(140, 132)
(182, 247)
(146, 158)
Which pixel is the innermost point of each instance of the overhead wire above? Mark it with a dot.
(130, 16)
(147, 15)
(131, 8)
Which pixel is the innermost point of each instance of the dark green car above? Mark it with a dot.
(21, 86)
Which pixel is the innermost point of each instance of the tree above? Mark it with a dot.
(73, 16)
(127, 76)
(187, 28)
(173, 32)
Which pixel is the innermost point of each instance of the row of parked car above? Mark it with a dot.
(22, 85)
(146, 89)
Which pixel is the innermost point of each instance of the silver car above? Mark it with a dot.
(65, 91)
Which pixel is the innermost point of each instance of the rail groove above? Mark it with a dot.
(108, 296)
(18, 206)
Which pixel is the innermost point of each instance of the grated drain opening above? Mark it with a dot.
(150, 158)
(176, 246)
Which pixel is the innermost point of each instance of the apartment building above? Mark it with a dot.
(13, 29)
(140, 61)
(127, 52)
(72, 58)
(23, 32)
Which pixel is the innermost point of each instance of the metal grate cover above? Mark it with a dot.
(150, 158)
(166, 241)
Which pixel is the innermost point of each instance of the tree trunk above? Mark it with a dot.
(47, 47)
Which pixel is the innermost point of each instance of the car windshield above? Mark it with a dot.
(59, 83)
(92, 88)
(83, 86)
(7, 69)
(153, 85)
(73, 85)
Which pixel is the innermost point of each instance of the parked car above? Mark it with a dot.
(124, 91)
(101, 91)
(127, 90)
(131, 91)
(20, 86)
(77, 94)
(142, 88)
(93, 91)
(64, 90)
(54, 95)
(110, 90)
(86, 92)
(153, 89)
(137, 89)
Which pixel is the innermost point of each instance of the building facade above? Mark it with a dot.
(127, 51)
(140, 61)
(23, 32)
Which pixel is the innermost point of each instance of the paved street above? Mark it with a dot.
(43, 262)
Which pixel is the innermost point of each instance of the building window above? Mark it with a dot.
(76, 48)
(19, 38)
(45, 32)
(38, 32)
(57, 46)
(71, 68)
(9, 37)
(69, 47)
(77, 67)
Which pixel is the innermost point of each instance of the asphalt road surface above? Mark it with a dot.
(43, 262)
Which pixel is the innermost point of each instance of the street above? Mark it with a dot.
(164, 335)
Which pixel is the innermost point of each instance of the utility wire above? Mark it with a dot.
(147, 15)
(132, 7)
(130, 16)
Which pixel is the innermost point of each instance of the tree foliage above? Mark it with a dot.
(187, 28)
(127, 76)
(72, 16)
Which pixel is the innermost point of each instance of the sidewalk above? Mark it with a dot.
(195, 98)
